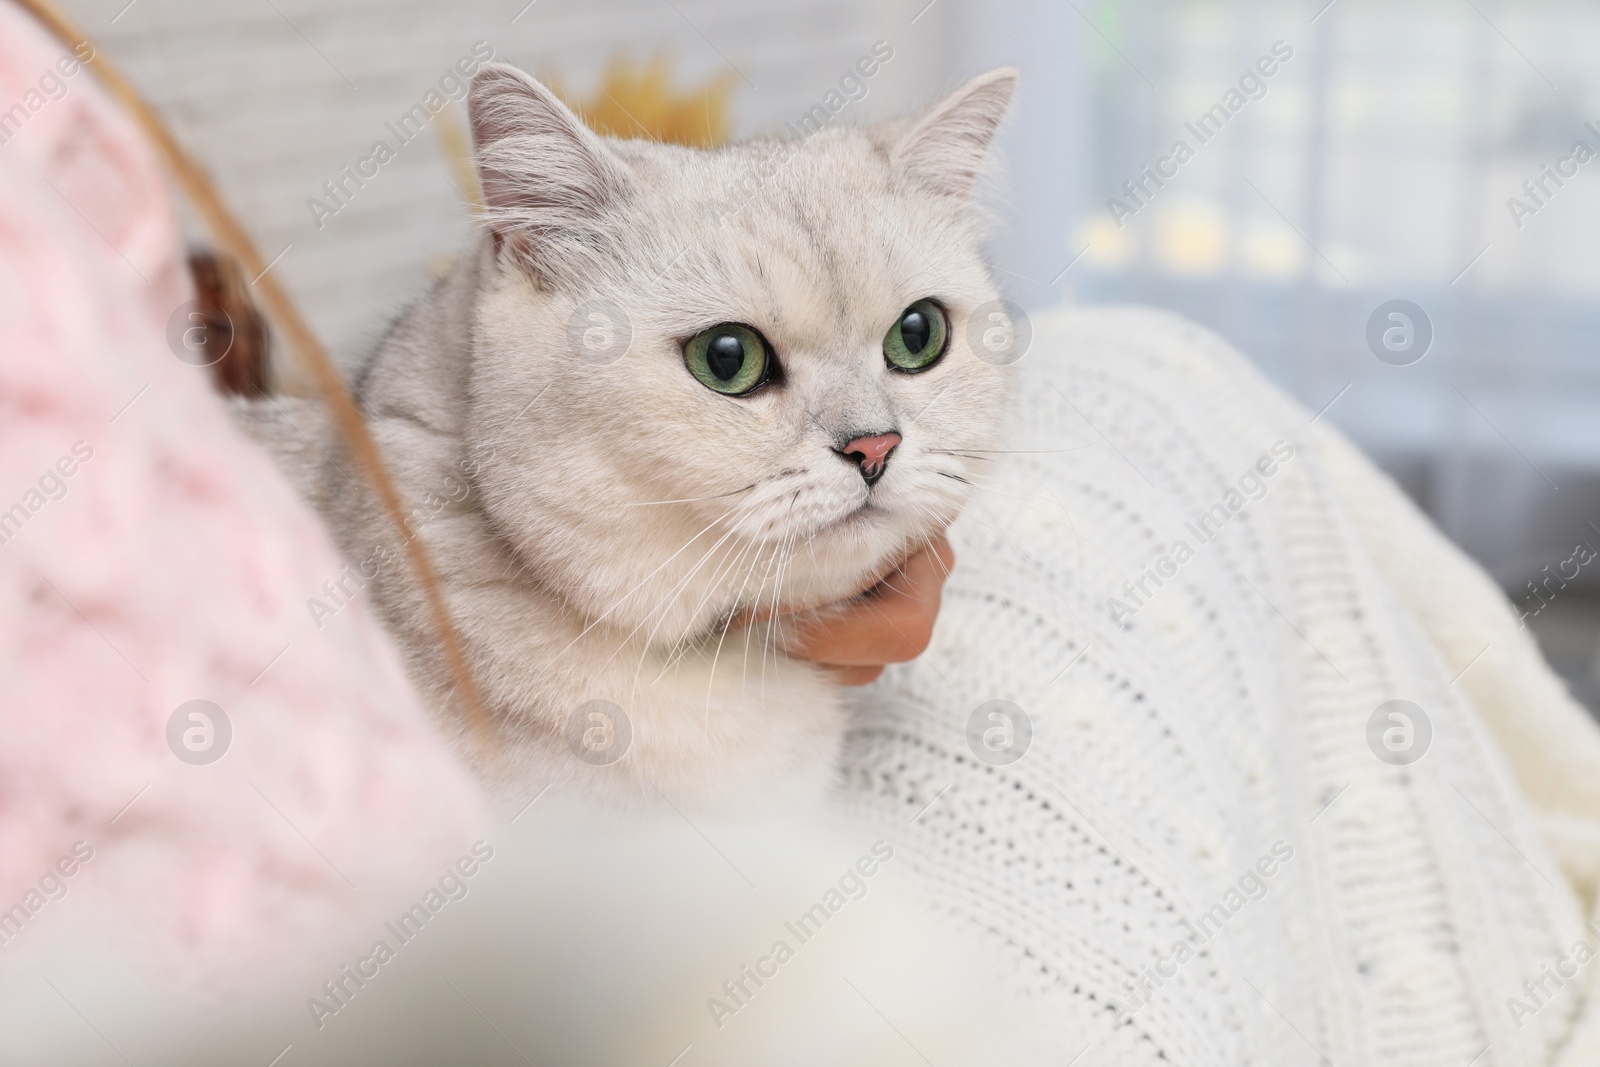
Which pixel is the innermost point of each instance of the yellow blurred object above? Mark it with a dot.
(1192, 238)
(1107, 245)
(630, 101)
(634, 101)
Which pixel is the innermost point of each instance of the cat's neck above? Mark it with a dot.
(420, 368)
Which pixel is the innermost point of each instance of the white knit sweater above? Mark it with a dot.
(1200, 772)
(1198, 858)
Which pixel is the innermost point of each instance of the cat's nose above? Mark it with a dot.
(871, 453)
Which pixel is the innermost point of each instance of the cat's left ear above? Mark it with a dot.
(944, 150)
(547, 178)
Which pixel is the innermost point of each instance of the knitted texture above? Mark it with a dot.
(1199, 596)
(149, 557)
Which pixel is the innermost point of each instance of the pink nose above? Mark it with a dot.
(871, 453)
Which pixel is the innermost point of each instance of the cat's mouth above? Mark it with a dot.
(860, 515)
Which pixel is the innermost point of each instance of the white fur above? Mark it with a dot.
(621, 514)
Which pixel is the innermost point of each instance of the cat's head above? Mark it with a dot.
(711, 379)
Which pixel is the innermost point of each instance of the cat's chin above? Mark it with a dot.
(851, 554)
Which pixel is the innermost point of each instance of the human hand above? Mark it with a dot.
(890, 623)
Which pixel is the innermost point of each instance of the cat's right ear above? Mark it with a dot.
(546, 177)
(945, 149)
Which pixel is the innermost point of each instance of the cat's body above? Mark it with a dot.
(599, 504)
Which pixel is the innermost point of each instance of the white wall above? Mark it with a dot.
(274, 96)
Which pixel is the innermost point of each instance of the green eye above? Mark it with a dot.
(730, 358)
(917, 340)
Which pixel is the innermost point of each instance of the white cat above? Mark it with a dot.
(662, 386)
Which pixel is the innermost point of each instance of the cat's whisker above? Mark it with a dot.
(985, 482)
(760, 593)
(658, 613)
(927, 539)
(687, 499)
(716, 656)
(772, 564)
(769, 633)
(773, 576)
(625, 597)
(667, 598)
(744, 676)
(730, 564)
(785, 548)
(783, 555)
(999, 490)
(682, 646)
(1004, 451)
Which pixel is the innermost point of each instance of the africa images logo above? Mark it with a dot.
(1399, 732)
(453, 885)
(852, 885)
(199, 732)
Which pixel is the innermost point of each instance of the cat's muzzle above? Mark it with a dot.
(871, 453)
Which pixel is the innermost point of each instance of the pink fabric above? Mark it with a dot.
(172, 564)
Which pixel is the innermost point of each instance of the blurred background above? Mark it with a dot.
(1416, 150)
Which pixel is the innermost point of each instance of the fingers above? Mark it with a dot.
(930, 564)
(942, 559)
(855, 675)
(945, 554)
(875, 631)
(891, 623)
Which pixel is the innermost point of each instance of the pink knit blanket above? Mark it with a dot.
(150, 557)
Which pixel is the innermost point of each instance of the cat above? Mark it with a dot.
(664, 388)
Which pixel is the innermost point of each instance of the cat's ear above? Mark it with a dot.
(944, 150)
(546, 177)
